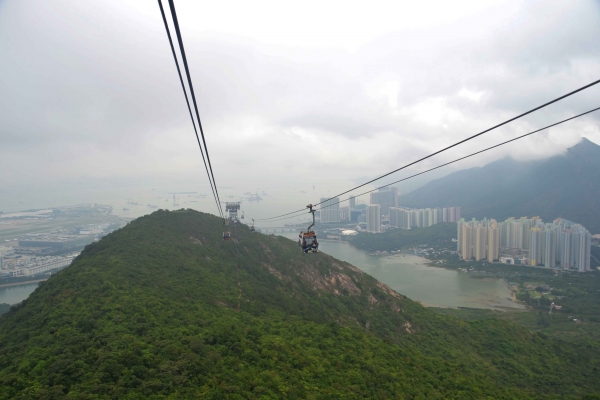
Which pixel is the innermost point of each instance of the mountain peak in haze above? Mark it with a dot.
(584, 146)
(566, 186)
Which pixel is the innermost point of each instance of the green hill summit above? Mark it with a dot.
(164, 308)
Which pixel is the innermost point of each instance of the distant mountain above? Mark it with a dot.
(566, 186)
(164, 308)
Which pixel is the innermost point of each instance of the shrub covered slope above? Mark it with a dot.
(151, 311)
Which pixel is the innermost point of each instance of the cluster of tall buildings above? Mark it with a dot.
(527, 241)
(385, 198)
(421, 218)
(384, 208)
(330, 210)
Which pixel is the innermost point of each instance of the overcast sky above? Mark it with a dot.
(290, 94)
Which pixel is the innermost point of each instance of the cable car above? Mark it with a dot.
(252, 226)
(308, 240)
(226, 234)
(242, 217)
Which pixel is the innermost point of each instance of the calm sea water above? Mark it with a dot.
(18, 293)
(431, 286)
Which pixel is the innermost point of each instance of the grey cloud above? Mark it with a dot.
(89, 77)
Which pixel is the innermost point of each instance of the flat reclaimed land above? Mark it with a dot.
(11, 229)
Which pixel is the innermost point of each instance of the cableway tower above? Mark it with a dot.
(232, 208)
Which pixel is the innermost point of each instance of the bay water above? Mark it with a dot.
(411, 276)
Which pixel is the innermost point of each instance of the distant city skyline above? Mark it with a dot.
(408, 218)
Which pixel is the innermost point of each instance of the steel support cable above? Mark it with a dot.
(458, 159)
(219, 209)
(470, 137)
(451, 146)
(189, 78)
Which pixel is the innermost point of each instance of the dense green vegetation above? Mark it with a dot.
(151, 311)
(577, 293)
(4, 308)
(394, 239)
(511, 188)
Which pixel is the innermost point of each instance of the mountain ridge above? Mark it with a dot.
(151, 311)
(563, 186)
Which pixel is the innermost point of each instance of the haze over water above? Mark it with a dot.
(276, 202)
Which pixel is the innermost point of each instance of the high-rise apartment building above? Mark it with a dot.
(345, 213)
(449, 214)
(535, 246)
(394, 219)
(374, 218)
(549, 259)
(480, 242)
(330, 210)
(352, 201)
(400, 218)
(354, 215)
(493, 241)
(418, 218)
(386, 197)
(466, 244)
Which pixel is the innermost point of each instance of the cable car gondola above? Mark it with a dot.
(226, 234)
(308, 240)
(252, 226)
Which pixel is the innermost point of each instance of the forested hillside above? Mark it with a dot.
(566, 186)
(164, 308)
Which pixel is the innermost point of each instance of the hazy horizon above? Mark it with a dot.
(330, 94)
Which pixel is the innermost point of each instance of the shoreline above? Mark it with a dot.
(513, 291)
(22, 283)
(420, 260)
